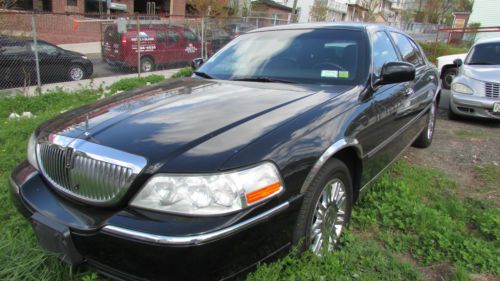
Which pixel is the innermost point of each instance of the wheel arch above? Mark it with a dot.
(347, 150)
(444, 68)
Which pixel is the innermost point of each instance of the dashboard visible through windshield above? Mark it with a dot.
(305, 56)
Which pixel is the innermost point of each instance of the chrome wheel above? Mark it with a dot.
(76, 73)
(329, 217)
(146, 66)
(432, 121)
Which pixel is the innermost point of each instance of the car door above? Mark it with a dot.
(174, 51)
(191, 44)
(381, 129)
(16, 65)
(51, 63)
(421, 91)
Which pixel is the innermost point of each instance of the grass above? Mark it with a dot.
(408, 221)
(489, 175)
(471, 133)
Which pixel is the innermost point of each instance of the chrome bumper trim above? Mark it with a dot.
(194, 239)
(473, 101)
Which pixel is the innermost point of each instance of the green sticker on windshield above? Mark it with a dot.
(343, 74)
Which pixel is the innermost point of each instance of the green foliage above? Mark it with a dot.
(134, 83)
(412, 209)
(358, 259)
(183, 72)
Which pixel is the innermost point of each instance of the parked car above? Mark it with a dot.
(236, 29)
(267, 146)
(159, 45)
(447, 69)
(476, 90)
(18, 66)
(218, 38)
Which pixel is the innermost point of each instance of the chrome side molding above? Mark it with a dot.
(194, 239)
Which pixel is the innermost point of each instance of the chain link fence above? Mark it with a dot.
(36, 49)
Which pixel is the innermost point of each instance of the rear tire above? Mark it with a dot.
(424, 140)
(147, 64)
(326, 209)
(448, 76)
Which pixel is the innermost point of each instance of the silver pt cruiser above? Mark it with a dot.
(476, 90)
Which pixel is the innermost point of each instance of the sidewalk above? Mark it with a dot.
(87, 83)
(84, 48)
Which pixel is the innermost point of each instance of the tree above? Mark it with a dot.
(319, 11)
(372, 6)
(209, 7)
(7, 4)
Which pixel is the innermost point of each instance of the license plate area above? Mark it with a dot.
(496, 107)
(55, 238)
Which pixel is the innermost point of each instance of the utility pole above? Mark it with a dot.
(294, 8)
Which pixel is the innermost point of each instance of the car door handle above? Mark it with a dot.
(409, 91)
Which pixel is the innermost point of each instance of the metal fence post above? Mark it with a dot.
(35, 50)
(203, 37)
(138, 46)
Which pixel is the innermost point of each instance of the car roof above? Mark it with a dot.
(488, 40)
(328, 25)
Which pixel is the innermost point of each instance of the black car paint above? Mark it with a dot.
(53, 67)
(192, 125)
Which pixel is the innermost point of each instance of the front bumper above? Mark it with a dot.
(137, 245)
(474, 106)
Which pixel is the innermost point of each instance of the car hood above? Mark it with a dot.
(487, 73)
(187, 119)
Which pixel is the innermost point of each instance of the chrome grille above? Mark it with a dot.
(492, 90)
(84, 177)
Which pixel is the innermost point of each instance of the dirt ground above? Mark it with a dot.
(459, 148)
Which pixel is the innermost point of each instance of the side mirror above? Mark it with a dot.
(458, 62)
(396, 72)
(196, 63)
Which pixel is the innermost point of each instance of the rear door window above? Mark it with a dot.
(189, 36)
(161, 36)
(173, 38)
(13, 49)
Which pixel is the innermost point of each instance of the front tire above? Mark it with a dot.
(448, 76)
(425, 138)
(326, 209)
(76, 72)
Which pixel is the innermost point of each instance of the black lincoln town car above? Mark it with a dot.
(266, 147)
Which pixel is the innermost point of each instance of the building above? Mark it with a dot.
(486, 12)
(273, 11)
(150, 7)
(337, 9)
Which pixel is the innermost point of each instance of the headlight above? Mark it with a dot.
(210, 194)
(31, 153)
(461, 88)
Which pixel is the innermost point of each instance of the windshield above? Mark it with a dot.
(484, 54)
(312, 56)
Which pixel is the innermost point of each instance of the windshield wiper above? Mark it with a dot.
(263, 79)
(203, 74)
